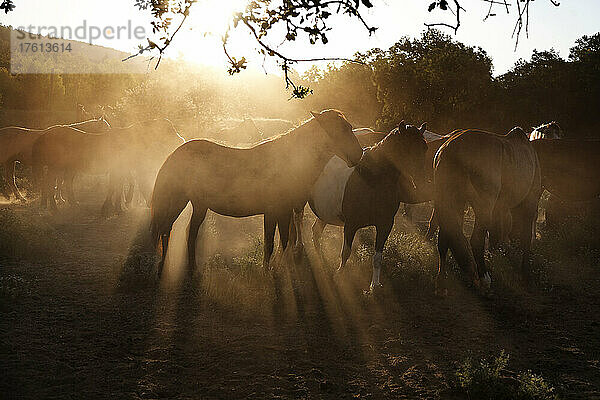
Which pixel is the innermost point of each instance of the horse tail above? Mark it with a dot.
(167, 202)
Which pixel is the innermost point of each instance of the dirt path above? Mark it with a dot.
(68, 331)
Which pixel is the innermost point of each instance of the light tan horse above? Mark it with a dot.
(16, 144)
(270, 178)
(499, 176)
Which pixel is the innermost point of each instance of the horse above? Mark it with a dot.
(499, 176)
(368, 137)
(550, 130)
(270, 178)
(245, 132)
(569, 171)
(63, 152)
(370, 193)
(16, 144)
(147, 144)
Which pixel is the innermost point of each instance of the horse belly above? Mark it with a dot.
(327, 195)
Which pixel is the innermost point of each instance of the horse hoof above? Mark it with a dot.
(376, 290)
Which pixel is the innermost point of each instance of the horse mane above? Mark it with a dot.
(288, 132)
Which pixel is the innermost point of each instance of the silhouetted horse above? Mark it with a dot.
(367, 137)
(16, 145)
(63, 152)
(499, 176)
(146, 145)
(270, 178)
(370, 193)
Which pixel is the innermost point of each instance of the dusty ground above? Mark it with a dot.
(70, 328)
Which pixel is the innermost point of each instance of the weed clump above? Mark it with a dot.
(490, 379)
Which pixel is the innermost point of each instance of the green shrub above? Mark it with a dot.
(490, 379)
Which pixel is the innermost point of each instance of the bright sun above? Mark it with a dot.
(208, 22)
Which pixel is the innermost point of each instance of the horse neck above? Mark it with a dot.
(306, 140)
(375, 162)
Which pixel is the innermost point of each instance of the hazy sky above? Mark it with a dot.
(550, 26)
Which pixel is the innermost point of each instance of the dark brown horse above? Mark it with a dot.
(370, 193)
(271, 178)
(499, 176)
(367, 137)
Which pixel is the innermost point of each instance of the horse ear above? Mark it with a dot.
(423, 128)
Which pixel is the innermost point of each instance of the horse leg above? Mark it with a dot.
(284, 222)
(451, 221)
(525, 216)
(484, 219)
(270, 223)
(164, 245)
(5, 175)
(383, 231)
(198, 216)
(317, 232)
(107, 206)
(296, 231)
(349, 233)
(478, 245)
(43, 185)
(130, 190)
(68, 185)
(51, 179)
(432, 226)
(443, 246)
(9, 176)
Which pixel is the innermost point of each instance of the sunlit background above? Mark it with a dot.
(200, 39)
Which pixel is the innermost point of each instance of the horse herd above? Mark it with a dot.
(350, 178)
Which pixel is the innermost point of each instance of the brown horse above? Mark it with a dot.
(499, 176)
(63, 152)
(16, 144)
(370, 193)
(145, 146)
(270, 178)
(367, 137)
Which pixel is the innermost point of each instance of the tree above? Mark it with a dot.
(424, 79)
(309, 18)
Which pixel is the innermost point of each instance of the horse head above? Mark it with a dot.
(405, 147)
(342, 141)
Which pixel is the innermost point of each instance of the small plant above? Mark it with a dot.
(482, 379)
(490, 379)
(534, 387)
